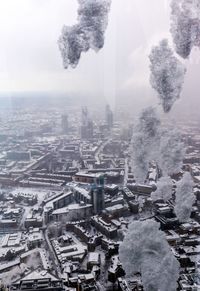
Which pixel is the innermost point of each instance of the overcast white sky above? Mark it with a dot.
(30, 59)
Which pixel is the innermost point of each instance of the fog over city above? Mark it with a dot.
(99, 145)
(30, 59)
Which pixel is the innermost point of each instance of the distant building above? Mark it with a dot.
(128, 194)
(138, 189)
(64, 123)
(19, 155)
(115, 271)
(63, 200)
(98, 200)
(134, 206)
(91, 240)
(95, 195)
(90, 178)
(132, 285)
(116, 210)
(33, 222)
(109, 117)
(72, 212)
(94, 259)
(38, 281)
(106, 228)
(82, 195)
(86, 125)
(35, 238)
(73, 250)
(70, 152)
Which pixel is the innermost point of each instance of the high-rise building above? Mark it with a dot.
(86, 125)
(84, 117)
(109, 117)
(97, 195)
(64, 123)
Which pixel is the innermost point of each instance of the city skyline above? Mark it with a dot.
(99, 145)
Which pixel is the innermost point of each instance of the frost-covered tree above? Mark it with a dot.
(164, 189)
(171, 152)
(185, 25)
(184, 198)
(151, 142)
(167, 74)
(144, 142)
(87, 33)
(146, 250)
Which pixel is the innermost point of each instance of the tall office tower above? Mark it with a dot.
(90, 129)
(84, 117)
(97, 194)
(109, 117)
(86, 125)
(64, 123)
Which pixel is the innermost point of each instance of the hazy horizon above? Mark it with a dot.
(30, 59)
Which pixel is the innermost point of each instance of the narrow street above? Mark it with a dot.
(99, 150)
(55, 262)
(126, 172)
